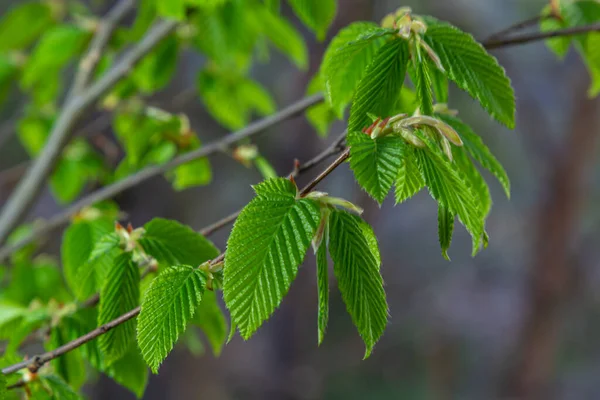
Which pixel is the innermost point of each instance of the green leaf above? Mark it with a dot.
(168, 305)
(231, 99)
(473, 176)
(265, 168)
(79, 164)
(119, 295)
(130, 371)
(105, 245)
(55, 49)
(422, 81)
(323, 290)
(69, 366)
(58, 388)
(440, 83)
(359, 280)
(193, 173)
(228, 34)
(84, 278)
(156, 69)
(171, 9)
(316, 14)
(409, 181)
(3, 391)
(445, 229)
(22, 24)
(379, 88)
(283, 35)
(451, 189)
(375, 162)
(479, 151)
(559, 45)
(346, 60)
(321, 115)
(588, 45)
(469, 65)
(268, 243)
(211, 320)
(173, 243)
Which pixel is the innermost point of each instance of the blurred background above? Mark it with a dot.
(524, 313)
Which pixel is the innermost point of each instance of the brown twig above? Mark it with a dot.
(537, 36)
(109, 191)
(38, 361)
(334, 148)
(514, 28)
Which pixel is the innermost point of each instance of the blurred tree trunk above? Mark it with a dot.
(552, 276)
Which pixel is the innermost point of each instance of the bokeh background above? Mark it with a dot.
(523, 313)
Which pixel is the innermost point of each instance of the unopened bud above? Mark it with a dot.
(432, 55)
(321, 232)
(447, 148)
(408, 135)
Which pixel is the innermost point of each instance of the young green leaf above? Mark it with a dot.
(588, 45)
(3, 391)
(473, 176)
(559, 45)
(409, 180)
(55, 49)
(440, 83)
(70, 366)
(321, 115)
(211, 320)
(130, 371)
(168, 305)
(473, 69)
(120, 294)
(323, 290)
(346, 60)
(375, 162)
(173, 243)
(172, 9)
(445, 229)
(156, 69)
(283, 35)
(268, 243)
(22, 24)
(422, 79)
(316, 14)
(450, 188)
(357, 273)
(232, 98)
(479, 151)
(379, 88)
(59, 389)
(79, 240)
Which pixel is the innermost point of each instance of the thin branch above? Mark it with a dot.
(338, 161)
(38, 361)
(109, 191)
(31, 185)
(209, 230)
(334, 148)
(537, 36)
(515, 27)
(105, 29)
(94, 128)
